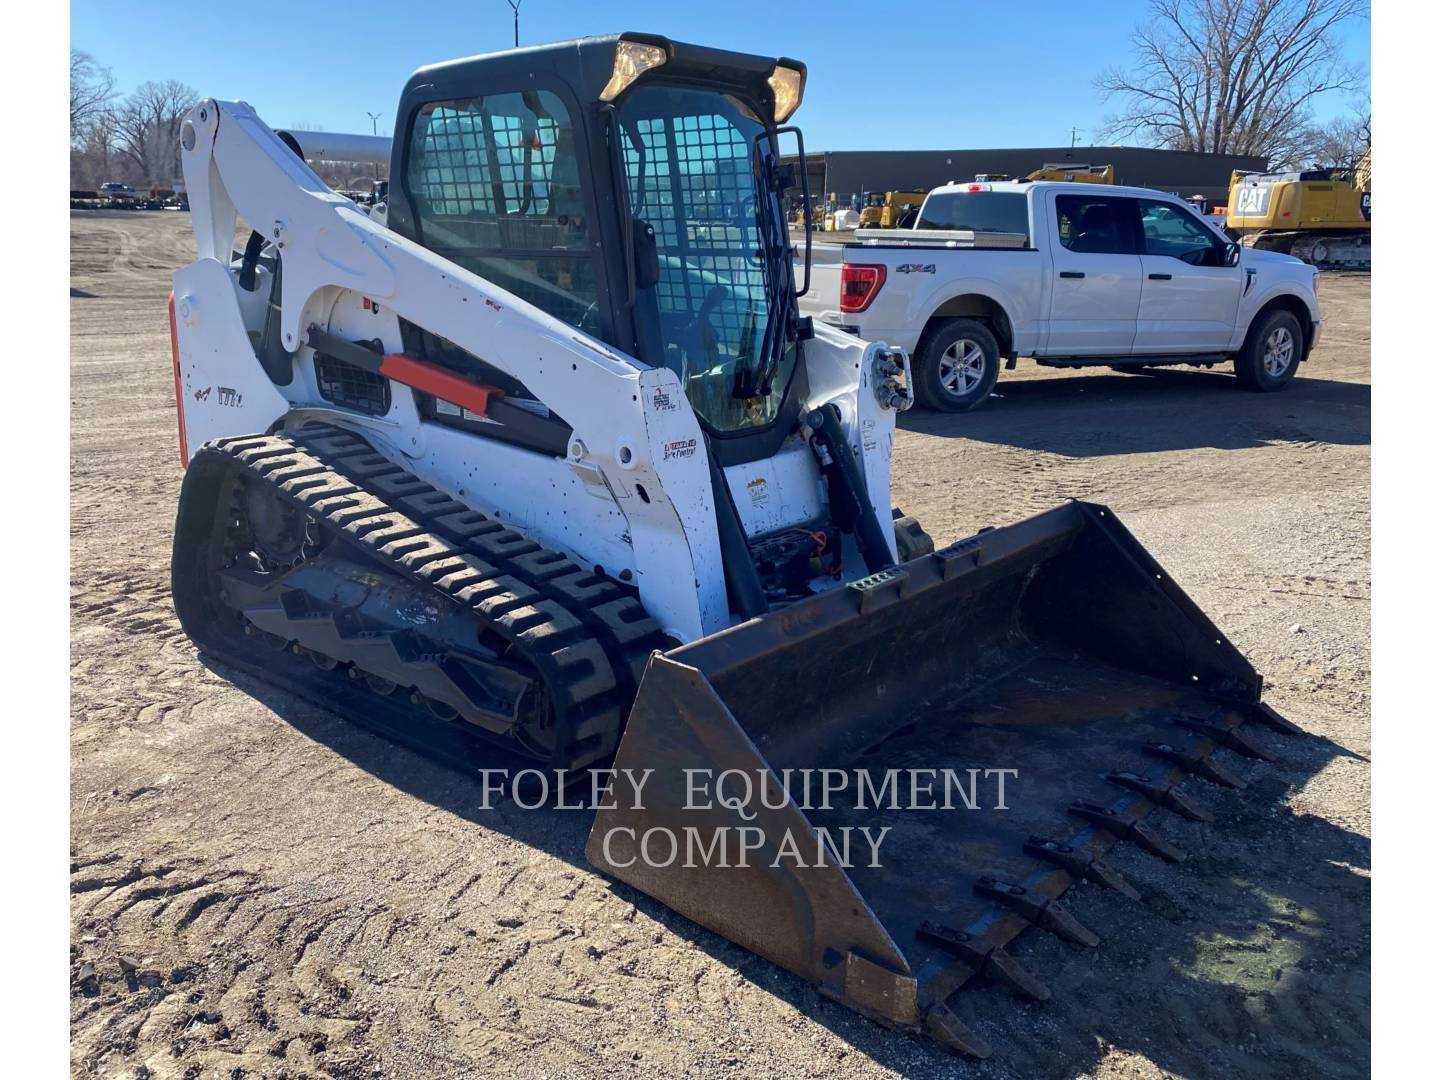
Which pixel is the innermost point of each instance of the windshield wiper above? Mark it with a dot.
(779, 283)
(757, 380)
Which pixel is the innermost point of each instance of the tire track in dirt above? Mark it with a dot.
(205, 1003)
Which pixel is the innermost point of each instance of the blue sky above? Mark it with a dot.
(916, 76)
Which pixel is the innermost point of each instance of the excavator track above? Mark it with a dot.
(317, 563)
(1345, 250)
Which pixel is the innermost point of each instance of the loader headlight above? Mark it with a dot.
(632, 59)
(788, 85)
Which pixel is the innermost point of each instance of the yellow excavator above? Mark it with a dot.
(1078, 174)
(884, 209)
(1321, 216)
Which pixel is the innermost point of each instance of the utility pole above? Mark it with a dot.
(515, 7)
(1073, 132)
(375, 130)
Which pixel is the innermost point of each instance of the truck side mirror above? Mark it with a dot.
(1232, 254)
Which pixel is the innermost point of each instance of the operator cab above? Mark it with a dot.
(628, 185)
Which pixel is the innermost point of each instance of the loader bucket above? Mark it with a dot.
(1055, 647)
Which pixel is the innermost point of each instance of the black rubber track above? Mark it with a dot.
(586, 636)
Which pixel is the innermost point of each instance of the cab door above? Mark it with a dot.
(1189, 298)
(1095, 294)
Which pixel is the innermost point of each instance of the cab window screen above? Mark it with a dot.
(496, 187)
(979, 211)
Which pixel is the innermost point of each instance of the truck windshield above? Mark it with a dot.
(693, 170)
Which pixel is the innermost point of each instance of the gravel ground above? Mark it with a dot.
(265, 891)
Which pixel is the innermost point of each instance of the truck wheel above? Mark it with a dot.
(1271, 353)
(958, 366)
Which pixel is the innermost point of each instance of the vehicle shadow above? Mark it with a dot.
(1096, 415)
(1251, 957)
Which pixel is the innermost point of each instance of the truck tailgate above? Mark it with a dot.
(824, 292)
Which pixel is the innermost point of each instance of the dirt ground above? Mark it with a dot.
(265, 891)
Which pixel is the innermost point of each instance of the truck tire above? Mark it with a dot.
(1271, 353)
(958, 366)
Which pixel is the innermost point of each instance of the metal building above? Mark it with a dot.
(850, 173)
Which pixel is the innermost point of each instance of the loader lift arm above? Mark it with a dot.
(327, 244)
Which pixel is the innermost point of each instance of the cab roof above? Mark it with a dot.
(586, 65)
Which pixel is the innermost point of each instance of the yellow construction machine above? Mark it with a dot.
(1321, 216)
(884, 209)
(1079, 174)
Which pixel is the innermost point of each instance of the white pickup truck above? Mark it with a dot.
(1071, 275)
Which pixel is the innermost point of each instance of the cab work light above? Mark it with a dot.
(788, 85)
(632, 59)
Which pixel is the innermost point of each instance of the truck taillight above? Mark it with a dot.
(859, 285)
(179, 401)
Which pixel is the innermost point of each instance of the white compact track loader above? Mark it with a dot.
(548, 464)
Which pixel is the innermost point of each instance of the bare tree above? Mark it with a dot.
(92, 155)
(1342, 142)
(91, 88)
(1231, 76)
(148, 127)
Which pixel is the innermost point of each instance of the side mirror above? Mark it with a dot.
(1232, 254)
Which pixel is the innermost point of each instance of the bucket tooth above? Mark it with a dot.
(944, 1026)
(1196, 763)
(1124, 827)
(1167, 795)
(1043, 911)
(1080, 865)
(1006, 970)
(1232, 738)
(988, 960)
(1258, 710)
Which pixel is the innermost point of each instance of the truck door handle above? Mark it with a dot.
(1159, 277)
(1072, 273)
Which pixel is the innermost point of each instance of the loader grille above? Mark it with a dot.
(351, 387)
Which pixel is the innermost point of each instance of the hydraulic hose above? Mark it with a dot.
(742, 580)
(849, 496)
(249, 260)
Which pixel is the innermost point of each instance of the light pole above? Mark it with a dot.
(515, 7)
(375, 130)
